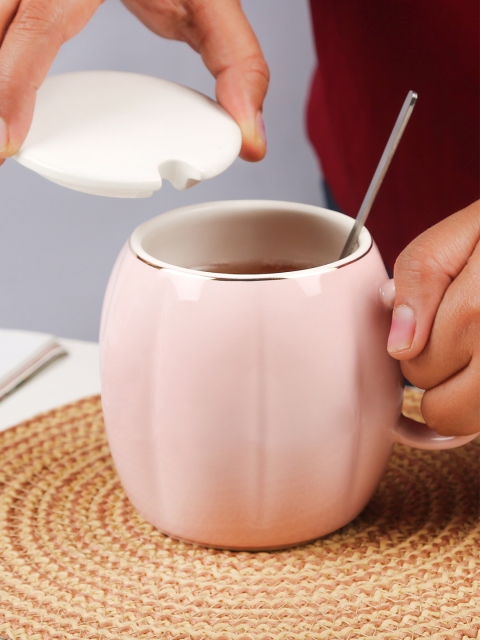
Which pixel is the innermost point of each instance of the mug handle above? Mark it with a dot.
(408, 431)
(420, 436)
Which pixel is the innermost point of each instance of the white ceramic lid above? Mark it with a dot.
(119, 134)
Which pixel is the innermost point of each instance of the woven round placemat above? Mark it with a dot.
(76, 560)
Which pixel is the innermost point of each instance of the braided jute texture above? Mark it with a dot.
(78, 562)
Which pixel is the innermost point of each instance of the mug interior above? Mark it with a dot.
(231, 238)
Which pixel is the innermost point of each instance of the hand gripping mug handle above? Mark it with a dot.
(408, 431)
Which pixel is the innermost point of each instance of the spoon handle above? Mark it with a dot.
(379, 174)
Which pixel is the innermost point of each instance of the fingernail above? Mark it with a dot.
(260, 129)
(402, 330)
(3, 136)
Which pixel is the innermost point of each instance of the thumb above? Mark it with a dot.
(422, 274)
(240, 90)
(230, 50)
(32, 40)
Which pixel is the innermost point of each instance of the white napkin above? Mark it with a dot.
(23, 353)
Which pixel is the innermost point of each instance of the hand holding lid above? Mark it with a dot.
(119, 134)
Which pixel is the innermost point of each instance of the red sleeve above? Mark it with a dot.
(370, 55)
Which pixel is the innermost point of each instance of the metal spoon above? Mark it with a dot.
(379, 174)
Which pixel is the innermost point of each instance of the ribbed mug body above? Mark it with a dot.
(248, 414)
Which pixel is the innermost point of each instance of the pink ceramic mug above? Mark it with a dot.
(250, 411)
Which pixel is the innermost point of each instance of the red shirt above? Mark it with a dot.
(371, 53)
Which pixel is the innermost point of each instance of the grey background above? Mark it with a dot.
(57, 246)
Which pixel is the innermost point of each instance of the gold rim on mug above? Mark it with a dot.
(363, 248)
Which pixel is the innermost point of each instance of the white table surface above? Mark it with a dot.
(65, 380)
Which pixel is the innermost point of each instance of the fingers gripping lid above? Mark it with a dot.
(119, 134)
